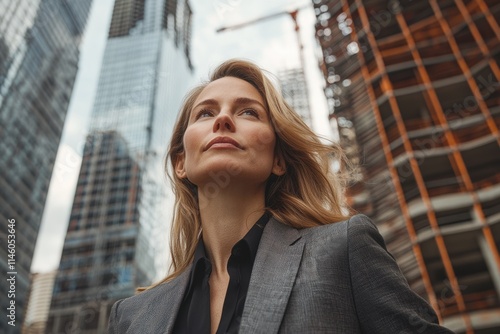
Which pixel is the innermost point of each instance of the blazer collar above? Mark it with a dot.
(273, 276)
(175, 290)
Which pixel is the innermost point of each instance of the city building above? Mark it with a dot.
(38, 304)
(101, 259)
(294, 89)
(122, 207)
(39, 53)
(414, 86)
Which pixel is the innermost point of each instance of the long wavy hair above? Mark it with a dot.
(309, 194)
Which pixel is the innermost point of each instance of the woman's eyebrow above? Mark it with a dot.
(246, 100)
(237, 101)
(208, 102)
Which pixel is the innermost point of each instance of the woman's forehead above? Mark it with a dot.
(229, 88)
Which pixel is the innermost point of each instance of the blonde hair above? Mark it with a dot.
(308, 194)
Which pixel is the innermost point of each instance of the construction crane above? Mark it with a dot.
(293, 14)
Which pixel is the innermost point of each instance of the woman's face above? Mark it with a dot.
(229, 138)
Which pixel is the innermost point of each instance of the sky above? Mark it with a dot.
(272, 44)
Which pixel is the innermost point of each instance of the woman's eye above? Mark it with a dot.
(250, 112)
(204, 113)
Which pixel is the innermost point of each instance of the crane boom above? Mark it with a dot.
(260, 19)
(244, 24)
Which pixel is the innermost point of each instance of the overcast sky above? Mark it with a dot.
(271, 44)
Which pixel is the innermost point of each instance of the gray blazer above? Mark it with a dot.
(336, 278)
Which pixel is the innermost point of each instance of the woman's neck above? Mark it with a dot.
(225, 219)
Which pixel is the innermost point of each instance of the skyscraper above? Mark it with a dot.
(119, 219)
(38, 304)
(39, 53)
(418, 82)
(294, 89)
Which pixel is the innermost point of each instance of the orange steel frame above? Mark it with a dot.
(489, 17)
(463, 64)
(395, 178)
(477, 35)
(457, 162)
(457, 157)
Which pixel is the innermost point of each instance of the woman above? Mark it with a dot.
(260, 240)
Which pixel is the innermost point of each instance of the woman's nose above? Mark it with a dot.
(223, 121)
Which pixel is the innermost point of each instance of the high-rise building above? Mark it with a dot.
(120, 217)
(38, 303)
(39, 53)
(294, 89)
(101, 258)
(416, 86)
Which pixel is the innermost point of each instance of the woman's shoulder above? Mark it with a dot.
(154, 295)
(148, 311)
(353, 226)
(342, 237)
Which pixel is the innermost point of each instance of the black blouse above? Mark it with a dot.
(194, 312)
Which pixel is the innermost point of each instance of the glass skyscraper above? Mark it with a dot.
(414, 87)
(38, 306)
(39, 53)
(294, 89)
(121, 211)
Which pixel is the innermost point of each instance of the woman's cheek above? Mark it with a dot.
(265, 139)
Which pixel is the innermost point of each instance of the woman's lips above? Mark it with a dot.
(223, 142)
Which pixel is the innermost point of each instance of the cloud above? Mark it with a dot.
(250, 42)
(57, 210)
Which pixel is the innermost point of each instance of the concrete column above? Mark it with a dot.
(490, 262)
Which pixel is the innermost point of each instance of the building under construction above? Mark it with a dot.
(414, 87)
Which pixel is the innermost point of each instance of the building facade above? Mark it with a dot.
(38, 302)
(39, 53)
(294, 89)
(121, 212)
(414, 87)
(99, 263)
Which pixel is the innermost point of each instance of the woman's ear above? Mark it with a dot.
(179, 166)
(279, 167)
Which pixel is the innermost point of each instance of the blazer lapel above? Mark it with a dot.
(175, 290)
(273, 276)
